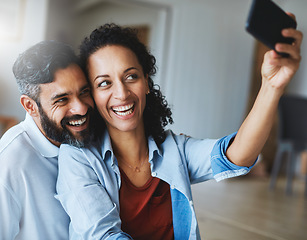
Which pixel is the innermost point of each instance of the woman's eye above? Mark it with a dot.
(104, 84)
(132, 77)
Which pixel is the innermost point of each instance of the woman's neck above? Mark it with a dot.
(131, 151)
(131, 147)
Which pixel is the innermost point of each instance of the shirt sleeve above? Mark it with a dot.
(222, 168)
(9, 213)
(93, 213)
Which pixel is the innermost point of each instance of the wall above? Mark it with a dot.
(33, 26)
(298, 85)
(211, 57)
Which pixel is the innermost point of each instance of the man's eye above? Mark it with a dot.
(85, 91)
(61, 101)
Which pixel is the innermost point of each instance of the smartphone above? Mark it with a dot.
(265, 22)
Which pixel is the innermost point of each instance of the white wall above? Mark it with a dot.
(298, 85)
(210, 63)
(32, 31)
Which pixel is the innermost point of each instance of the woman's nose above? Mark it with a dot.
(121, 91)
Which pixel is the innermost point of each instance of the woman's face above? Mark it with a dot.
(119, 87)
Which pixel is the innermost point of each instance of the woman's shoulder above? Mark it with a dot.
(173, 140)
(174, 137)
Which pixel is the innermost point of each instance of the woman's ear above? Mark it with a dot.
(29, 105)
(147, 86)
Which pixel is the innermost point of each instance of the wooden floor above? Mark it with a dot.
(244, 209)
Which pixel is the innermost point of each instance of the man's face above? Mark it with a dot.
(66, 107)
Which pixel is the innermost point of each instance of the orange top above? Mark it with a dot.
(146, 212)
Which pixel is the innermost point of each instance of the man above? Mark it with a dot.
(57, 99)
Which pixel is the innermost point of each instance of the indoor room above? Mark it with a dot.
(209, 69)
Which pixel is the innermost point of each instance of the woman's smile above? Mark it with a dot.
(124, 110)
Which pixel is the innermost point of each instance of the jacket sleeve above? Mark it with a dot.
(223, 168)
(206, 159)
(92, 212)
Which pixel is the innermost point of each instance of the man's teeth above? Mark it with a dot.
(77, 122)
(123, 110)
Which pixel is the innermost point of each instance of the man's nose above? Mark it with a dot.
(78, 106)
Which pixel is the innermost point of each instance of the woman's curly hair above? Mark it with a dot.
(157, 114)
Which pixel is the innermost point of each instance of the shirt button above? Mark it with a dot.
(172, 186)
(154, 174)
(191, 203)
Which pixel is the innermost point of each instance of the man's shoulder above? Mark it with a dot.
(15, 142)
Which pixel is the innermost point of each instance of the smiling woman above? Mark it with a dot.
(135, 181)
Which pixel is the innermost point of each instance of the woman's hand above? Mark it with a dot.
(278, 70)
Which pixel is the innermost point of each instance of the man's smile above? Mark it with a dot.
(77, 122)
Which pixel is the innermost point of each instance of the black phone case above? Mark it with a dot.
(265, 22)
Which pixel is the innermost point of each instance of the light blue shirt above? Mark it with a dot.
(28, 172)
(89, 182)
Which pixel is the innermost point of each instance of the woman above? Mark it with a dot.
(135, 182)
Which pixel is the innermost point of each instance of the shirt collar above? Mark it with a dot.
(153, 148)
(106, 146)
(38, 140)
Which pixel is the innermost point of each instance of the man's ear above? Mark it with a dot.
(29, 105)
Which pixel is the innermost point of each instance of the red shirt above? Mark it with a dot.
(146, 212)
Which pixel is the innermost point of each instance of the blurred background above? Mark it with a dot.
(208, 65)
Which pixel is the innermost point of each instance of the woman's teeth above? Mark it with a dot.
(77, 122)
(123, 110)
(124, 113)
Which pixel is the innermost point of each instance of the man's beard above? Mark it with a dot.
(61, 134)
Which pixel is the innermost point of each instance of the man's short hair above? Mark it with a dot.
(38, 64)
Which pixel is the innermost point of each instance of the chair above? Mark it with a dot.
(292, 138)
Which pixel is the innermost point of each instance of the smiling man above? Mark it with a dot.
(59, 106)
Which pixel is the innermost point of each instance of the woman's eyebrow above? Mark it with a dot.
(131, 68)
(106, 75)
(99, 76)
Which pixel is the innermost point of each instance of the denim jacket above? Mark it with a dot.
(89, 182)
